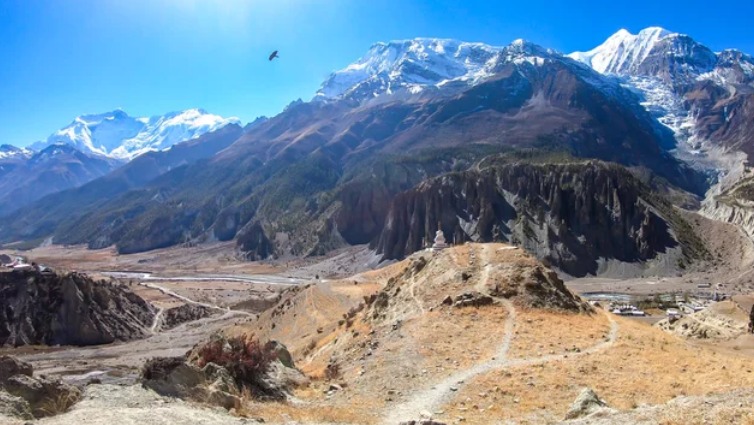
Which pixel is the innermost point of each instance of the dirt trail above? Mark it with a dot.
(156, 321)
(190, 301)
(428, 401)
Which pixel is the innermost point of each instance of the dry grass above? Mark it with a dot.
(356, 413)
(541, 332)
(458, 338)
(645, 366)
(57, 405)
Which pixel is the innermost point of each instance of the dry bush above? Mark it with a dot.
(244, 357)
(57, 405)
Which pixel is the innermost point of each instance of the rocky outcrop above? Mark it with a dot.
(585, 404)
(572, 215)
(253, 243)
(185, 313)
(537, 287)
(26, 397)
(266, 371)
(68, 309)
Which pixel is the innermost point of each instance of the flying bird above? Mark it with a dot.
(274, 55)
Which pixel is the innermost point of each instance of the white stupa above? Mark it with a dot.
(439, 241)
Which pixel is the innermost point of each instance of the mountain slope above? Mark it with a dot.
(11, 157)
(549, 207)
(704, 97)
(55, 168)
(321, 174)
(64, 207)
(410, 65)
(118, 135)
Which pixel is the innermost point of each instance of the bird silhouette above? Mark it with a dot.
(274, 55)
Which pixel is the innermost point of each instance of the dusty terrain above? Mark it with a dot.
(407, 354)
(482, 365)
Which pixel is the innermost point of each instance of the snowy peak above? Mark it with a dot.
(623, 52)
(411, 65)
(10, 151)
(425, 63)
(115, 134)
(653, 52)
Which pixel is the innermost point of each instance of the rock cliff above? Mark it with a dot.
(574, 215)
(68, 309)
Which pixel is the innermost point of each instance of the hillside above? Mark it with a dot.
(397, 351)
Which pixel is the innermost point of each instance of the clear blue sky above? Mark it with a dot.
(63, 58)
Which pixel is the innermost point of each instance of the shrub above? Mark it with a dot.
(244, 357)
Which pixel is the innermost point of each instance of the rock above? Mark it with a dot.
(585, 404)
(422, 422)
(448, 300)
(172, 376)
(598, 193)
(185, 313)
(279, 379)
(10, 366)
(281, 353)
(46, 397)
(475, 299)
(68, 309)
(13, 406)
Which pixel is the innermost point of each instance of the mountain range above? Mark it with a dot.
(423, 133)
(91, 147)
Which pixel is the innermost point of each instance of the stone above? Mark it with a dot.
(46, 397)
(11, 366)
(281, 353)
(585, 404)
(14, 407)
(474, 299)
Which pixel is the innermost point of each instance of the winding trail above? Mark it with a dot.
(430, 400)
(187, 300)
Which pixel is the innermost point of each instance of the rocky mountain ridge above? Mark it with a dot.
(551, 209)
(68, 309)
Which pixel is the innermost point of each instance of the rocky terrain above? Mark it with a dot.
(476, 333)
(24, 396)
(723, 320)
(175, 316)
(550, 209)
(68, 309)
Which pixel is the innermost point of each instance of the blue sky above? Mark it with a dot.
(63, 58)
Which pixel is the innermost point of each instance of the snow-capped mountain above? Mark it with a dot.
(702, 96)
(421, 64)
(10, 151)
(410, 65)
(646, 53)
(117, 135)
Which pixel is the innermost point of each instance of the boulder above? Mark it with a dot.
(281, 353)
(11, 366)
(14, 407)
(46, 397)
(474, 299)
(585, 404)
(172, 377)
